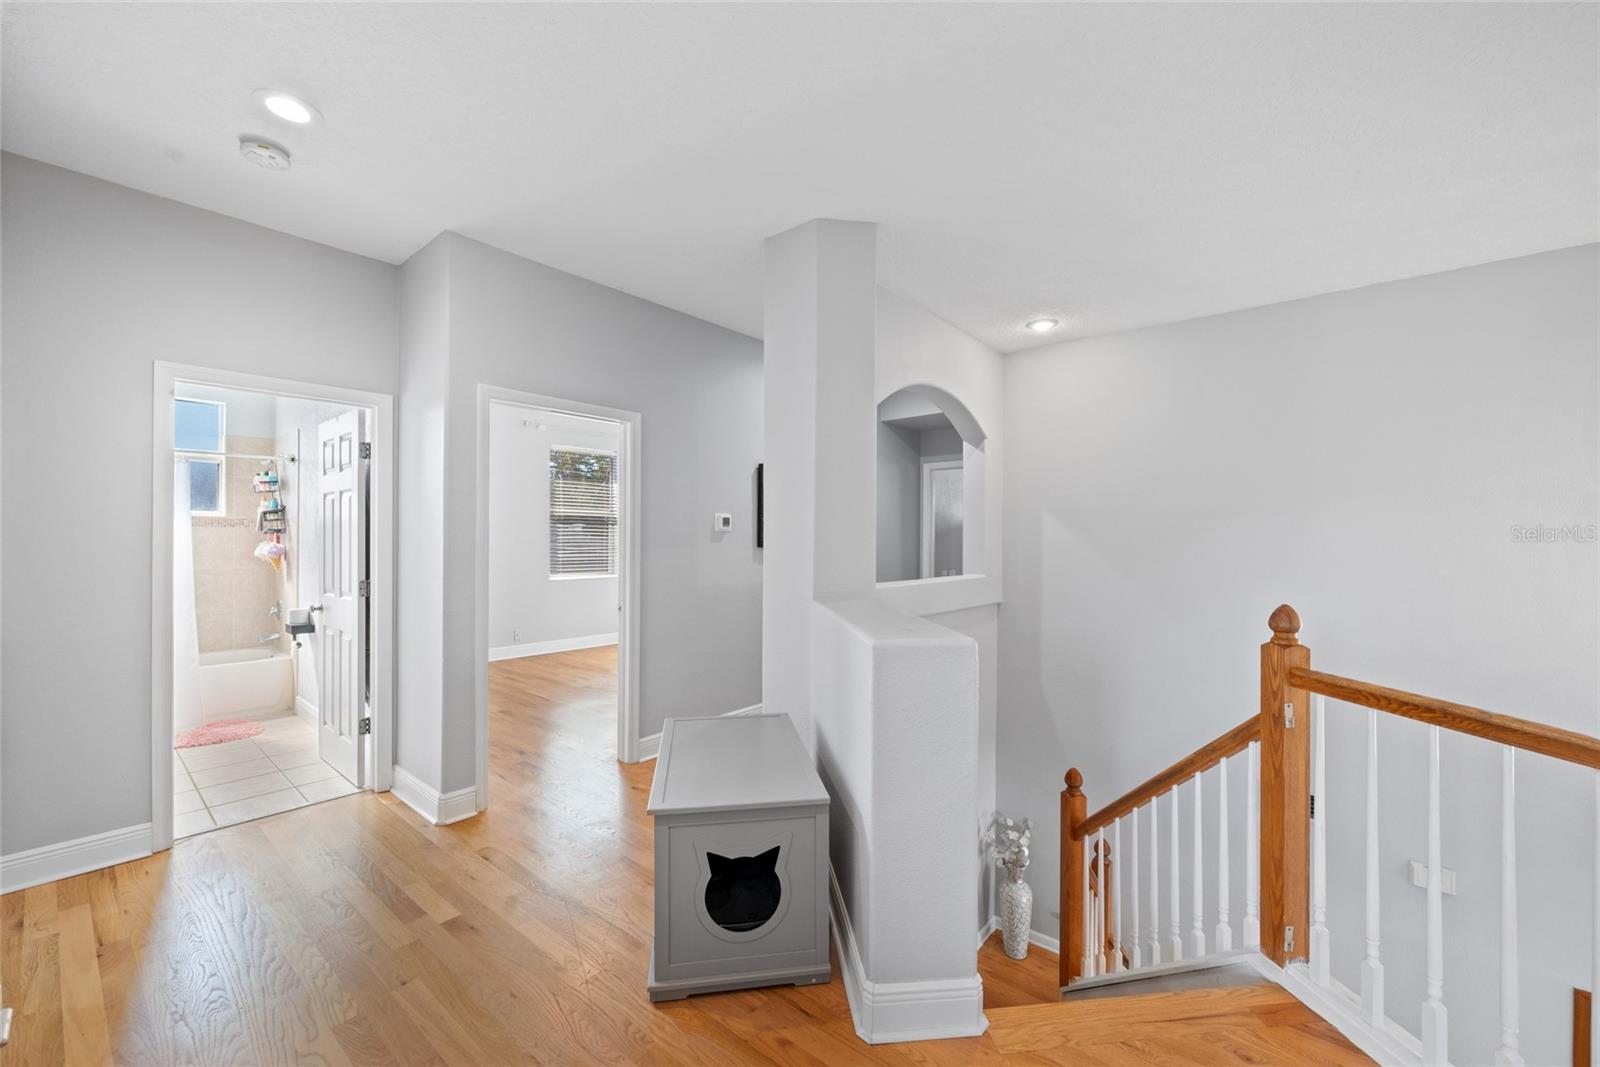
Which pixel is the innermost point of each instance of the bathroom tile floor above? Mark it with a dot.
(278, 769)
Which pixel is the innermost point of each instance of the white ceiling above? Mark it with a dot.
(1114, 165)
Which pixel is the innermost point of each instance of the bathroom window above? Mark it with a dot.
(583, 513)
(198, 434)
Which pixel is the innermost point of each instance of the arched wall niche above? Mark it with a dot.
(930, 487)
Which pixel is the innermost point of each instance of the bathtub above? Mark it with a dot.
(245, 683)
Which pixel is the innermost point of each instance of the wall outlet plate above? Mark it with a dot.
(1447, 878)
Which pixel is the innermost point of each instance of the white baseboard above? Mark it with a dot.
(1035, 938)
(889, 1012)
(1340, 1007)
(544, 648)
(986, 931)
(1044, 941)
(438, 808)
(67, 858)
(306, 710)
(650, 747)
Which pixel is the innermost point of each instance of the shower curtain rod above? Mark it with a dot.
(188, 453)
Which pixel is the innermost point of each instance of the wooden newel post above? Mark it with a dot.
(1285, 794)
(1074, 809)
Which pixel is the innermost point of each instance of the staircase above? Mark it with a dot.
(1116, 945)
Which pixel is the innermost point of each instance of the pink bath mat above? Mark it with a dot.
(215, 733)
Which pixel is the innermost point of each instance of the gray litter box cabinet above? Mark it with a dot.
(741, 824)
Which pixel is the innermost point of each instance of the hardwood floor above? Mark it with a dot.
(354, 932)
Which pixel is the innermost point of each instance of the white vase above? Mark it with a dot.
(1016, 915)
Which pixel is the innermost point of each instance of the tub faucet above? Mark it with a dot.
(262, 639)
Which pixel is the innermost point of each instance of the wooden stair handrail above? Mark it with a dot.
(1201, 759)
(1283, 729)
(1567, 745)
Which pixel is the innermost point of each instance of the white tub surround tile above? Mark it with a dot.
(219, 795)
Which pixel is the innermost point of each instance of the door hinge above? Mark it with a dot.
(1288, 716)
(1313, 805)
(364, 588)
(366, 449)
(1288, 940)
(366, 725)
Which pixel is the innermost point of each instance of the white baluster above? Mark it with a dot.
(1087, 968)
(1319, 841)
(1371, 967)
(1508, 1055)
(1100, 902)
(1174, 924)
(1197, 933)
(1155, 879)
(1435, 1020)
(1224, 931)
(1137, 951)
(1116, 896)
(1252, 847)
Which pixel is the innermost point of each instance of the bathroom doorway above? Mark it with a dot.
(276, 635)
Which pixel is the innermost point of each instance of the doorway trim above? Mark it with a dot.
(628, 566)
(380, 566)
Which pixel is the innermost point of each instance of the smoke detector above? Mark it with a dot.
(264, 153)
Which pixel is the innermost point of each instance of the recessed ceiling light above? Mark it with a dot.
(286, 107)
(1043, 325)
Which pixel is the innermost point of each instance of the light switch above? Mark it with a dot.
(722, 521)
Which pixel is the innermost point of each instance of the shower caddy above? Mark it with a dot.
(271, 516)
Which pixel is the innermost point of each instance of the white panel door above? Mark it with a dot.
(341, 623)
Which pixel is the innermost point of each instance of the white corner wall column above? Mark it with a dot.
(820, 308)
(887, 701)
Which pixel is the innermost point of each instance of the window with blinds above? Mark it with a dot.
(583, 513)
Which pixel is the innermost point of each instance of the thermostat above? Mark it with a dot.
(721, 521)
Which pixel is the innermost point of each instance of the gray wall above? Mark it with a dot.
(899, 503)
(101, 281)
(1363, 456)
(517, 324)
(526, 605)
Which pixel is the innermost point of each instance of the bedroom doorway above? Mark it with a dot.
(558, 574)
